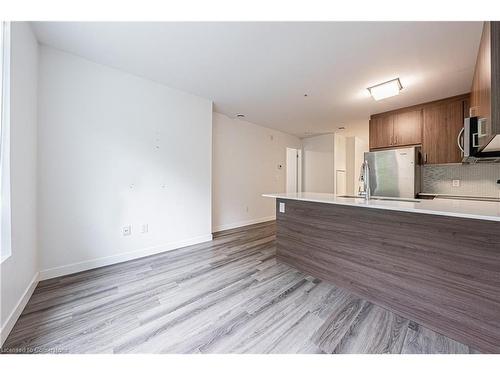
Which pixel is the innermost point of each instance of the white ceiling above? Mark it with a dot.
(263, 70)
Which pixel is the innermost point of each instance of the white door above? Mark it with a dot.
(340, 164)
(340, 182)
(293, 170)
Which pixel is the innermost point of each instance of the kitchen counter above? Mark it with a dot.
(470, 209)
(436, 262)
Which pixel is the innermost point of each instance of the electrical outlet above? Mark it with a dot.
(144, 228)
(127, 231)
(455, 183)
(282, 207)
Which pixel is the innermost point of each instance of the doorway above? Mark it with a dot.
(293, 170)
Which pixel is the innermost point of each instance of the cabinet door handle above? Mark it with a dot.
(425, 157)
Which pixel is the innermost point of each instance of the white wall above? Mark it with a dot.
(245, 165)
(116, 150)
(339, 162)
(360, 129)
(318, 160)
(19, 271)
(357, 135)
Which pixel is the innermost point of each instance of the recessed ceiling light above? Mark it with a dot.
(239, 115)
(386, 89)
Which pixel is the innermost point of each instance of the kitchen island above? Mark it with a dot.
(436, 262)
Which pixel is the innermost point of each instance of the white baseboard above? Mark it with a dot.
(113, 259)
(238, 224)
(16, 313)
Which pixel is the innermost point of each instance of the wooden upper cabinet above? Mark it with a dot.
(396, 129)
(434, 150)
(466, 107)
(485, 94)
(481, 84)
(442, 124)
(381, 131)
(407, 128)
(434, 125)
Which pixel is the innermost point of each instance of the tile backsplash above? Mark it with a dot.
(478, 180)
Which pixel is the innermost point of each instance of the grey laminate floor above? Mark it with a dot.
(225, 296)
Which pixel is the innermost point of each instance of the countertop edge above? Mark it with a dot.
(426, 211)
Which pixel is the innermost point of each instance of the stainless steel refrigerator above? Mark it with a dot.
(395, 173)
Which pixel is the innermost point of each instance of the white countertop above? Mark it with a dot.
(447, 207)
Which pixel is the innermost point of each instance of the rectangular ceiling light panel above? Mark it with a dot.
(386, 89)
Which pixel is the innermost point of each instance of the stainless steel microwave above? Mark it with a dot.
(468, 142)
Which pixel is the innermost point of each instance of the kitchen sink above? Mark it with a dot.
(382, 198)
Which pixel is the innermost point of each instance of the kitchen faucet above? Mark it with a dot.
(364, 180)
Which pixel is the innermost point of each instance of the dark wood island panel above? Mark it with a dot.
(442, 272)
